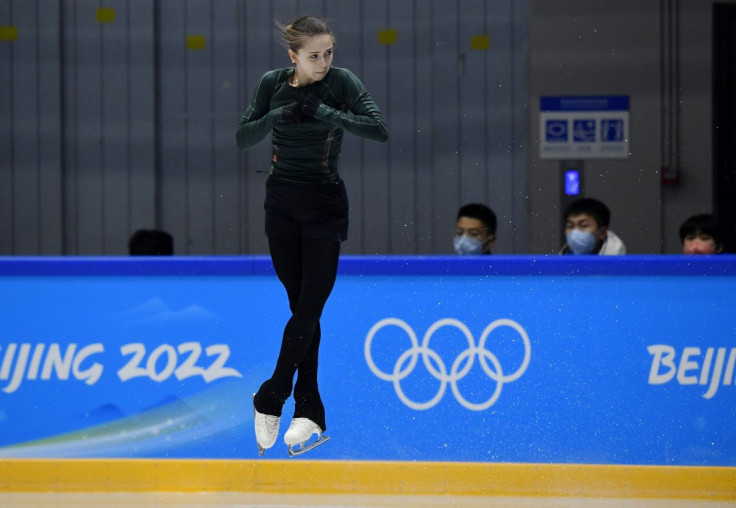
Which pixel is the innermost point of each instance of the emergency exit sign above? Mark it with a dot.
(584, 127)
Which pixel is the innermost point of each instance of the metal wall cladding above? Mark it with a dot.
(121, 115)
(30, 126)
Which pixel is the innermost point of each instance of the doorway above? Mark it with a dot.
(724, 117)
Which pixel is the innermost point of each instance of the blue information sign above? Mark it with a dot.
(598, 127)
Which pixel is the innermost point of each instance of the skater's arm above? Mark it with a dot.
(363, 118)
(259, 119)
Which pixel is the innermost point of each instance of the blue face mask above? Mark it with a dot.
(580, 242)
(464, 245)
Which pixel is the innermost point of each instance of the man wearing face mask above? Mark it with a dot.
(475, 230)
(586, 230)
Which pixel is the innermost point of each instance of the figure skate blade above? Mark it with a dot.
(301, 448)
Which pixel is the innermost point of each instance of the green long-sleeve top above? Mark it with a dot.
(309, 150)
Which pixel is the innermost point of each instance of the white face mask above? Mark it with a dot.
(464, 245)
(580, 242)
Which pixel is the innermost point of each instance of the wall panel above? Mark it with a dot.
(7, 238)
(348, 51)
(199, 133)
(25, 86)
(474, 90)
(517, 222)
(423, 106)
(88, 139)
(258, 59)
(401, 109)
(147, 122)
(110, 124)
(446, 126)
(115, 100)
(69, 122)
(108, 114)
(173, 123)
(50, 143)
(29, 128)
(226, 170)
(500, 106)
(142, 128)
(375, 186)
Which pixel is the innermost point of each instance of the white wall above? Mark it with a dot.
(144, 126)
(110, 127)
(582, 47)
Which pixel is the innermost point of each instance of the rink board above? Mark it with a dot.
(368, 478)
(505, 360)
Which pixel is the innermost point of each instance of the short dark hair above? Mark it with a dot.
(706, 223)
(592, 207)
(481, 212)
(151, 242)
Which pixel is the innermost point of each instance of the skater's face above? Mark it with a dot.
(314, 59)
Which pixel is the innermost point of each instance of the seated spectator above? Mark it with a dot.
(702, 234)
(586, 230)
(151, 242)
(475, 229)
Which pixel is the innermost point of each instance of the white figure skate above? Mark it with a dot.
(300, 431)
(267, 429)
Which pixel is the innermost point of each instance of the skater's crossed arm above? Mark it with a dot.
(259, 118)
(363, 118)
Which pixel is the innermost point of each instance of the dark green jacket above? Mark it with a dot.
(310, 149)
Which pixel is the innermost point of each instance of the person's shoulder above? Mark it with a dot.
(342, 81)
(613, 246)
(342, 74)
(341, 71)
(272, 80)
(276, 75)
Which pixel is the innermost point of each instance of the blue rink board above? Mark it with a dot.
(600, 360)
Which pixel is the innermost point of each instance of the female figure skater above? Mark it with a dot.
(307, 107)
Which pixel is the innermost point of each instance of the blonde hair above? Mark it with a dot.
(295, 34)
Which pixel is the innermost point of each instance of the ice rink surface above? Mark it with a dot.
(252, 500)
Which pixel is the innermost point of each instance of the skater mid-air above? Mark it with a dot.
(307, 108)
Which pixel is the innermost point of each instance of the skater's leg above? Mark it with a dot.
(307, 401)
(323, 256)
(319, 267)
(286, 256)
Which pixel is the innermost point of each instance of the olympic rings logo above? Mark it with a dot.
(407, 361)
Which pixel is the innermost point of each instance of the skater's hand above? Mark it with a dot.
(310, 105)
(291, 113)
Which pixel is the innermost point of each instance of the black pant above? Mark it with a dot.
(307, 268)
